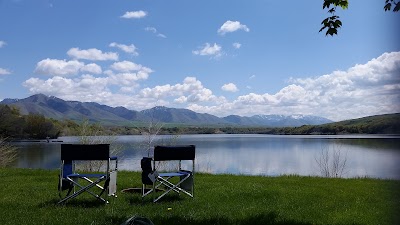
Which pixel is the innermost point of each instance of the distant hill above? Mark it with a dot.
(53, 107)
(379, 124)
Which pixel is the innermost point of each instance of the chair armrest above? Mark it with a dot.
(113, 158)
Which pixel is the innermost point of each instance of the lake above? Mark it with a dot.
(376, 156)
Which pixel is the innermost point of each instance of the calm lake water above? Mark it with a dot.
(270, 155)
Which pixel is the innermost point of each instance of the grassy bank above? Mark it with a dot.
(30, 196)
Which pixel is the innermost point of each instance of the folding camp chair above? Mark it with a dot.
(150, 176)
(76, 183)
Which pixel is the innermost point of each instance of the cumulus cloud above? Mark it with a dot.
(128, 66)
(362, 90)
(207, 49)
(56, 67)
(154, 31)
(131, 49)
(230, 87)
(86, 88)
(134, 14)
(232, 26)
(237, 45)
(92, 54)
(92, 68)
(4, 71)
(2, 44)
(191, 90)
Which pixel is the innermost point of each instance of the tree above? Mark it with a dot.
(38, 127)
(332, 23)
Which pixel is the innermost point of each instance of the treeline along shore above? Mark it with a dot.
(13, 125)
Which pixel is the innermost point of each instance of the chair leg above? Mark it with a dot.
(171, 187)
(83, 189)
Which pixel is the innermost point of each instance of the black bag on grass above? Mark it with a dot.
(137, 220)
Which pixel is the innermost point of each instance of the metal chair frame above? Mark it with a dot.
(69, 178)
(171, 153)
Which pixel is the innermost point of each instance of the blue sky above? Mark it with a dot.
(217, 57)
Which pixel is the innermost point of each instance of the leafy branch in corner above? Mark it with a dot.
(390, 3)
(333, 23)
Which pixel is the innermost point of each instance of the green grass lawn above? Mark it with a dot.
(30, 196)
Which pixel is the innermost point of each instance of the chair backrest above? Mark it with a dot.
(145, 163)
(179, 152)
(71, 152)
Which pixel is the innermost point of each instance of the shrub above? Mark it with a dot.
(8, 152)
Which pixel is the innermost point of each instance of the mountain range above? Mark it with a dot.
(56, 108)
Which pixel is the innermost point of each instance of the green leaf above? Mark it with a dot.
(344, 4)
(397, 7)
(331, 31)
(338, 23)
(388, 6)
(327, 4)
(333, 17)
(332, 10)
(325, 21)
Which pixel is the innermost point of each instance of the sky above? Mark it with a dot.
(218, 57)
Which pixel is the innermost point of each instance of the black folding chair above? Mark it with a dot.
(150, 176)
(76, 183)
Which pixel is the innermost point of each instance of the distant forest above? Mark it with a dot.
(13, 125)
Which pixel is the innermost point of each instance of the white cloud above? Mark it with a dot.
(56, 67)
(191, 90)
(207, 49)
(92, 54)
(154, 31)
(362, 90)
(161, 35)
(2, 44)
(4, 71)
(151, 29)
(92, 68)
(86, 88)
(131, 49)
(229, 87)
(232, 26)
(237, 45)
(126, 66)
(134, 14)
(252, 77)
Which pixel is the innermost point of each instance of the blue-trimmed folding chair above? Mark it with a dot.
(150, 176)
(76, 183)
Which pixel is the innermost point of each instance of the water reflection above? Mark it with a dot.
(373, 156)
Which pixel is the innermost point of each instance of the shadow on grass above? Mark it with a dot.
(264, 219)
(137, 199)
(82, 203)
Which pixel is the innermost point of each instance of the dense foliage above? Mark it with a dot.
(33, 126)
